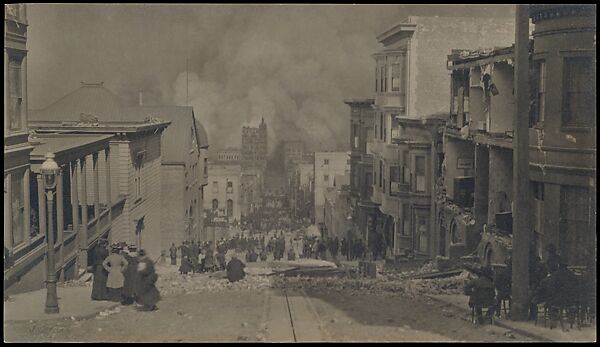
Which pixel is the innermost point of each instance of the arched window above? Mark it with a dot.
(229, 208)
(215, 204)
(454, 234)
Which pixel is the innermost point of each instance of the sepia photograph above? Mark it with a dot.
(268, 173)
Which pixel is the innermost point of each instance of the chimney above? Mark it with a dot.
(141, 98)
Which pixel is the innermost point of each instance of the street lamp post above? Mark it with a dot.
(50, 172)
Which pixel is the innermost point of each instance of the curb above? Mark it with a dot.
(80, 317)
(498, 323)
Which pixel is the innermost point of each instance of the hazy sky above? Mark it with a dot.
(292, 64)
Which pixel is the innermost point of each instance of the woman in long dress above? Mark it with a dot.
(115, 264)
(99, 290)
(147, 293)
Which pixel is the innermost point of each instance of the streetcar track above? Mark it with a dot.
(290, 313)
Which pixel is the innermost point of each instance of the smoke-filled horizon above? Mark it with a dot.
(291, 64)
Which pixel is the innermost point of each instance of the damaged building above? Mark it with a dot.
(476, 188)
(411, 94)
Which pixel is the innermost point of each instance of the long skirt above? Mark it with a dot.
(173, 260)
(99, 290)
(115, 294)
(149, 297)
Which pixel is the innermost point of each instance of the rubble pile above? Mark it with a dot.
(447, 285)
(348, 285)
(173, 283)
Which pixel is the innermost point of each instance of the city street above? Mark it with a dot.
(203, 308)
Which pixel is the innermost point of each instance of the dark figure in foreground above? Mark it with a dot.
(99, 290)
(235, 269)
(481, 292)
(147, 293)
(131, 277)
(503, 284)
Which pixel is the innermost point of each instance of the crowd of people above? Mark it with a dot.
(551, 283)
(124, 275)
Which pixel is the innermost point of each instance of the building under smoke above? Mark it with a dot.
(254, 146)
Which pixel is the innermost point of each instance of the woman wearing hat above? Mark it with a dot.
(147, 294)
(115, 264)
(130, 276)
(99, 290)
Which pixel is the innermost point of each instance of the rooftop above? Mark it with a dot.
(66, 147)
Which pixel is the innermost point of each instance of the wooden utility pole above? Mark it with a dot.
(521, 230)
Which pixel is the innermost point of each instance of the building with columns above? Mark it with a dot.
(135, 164)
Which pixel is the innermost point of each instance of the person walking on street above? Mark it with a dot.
(115, 265)
(130, 276)
(173, 254)
(147, 293)
(99, 289)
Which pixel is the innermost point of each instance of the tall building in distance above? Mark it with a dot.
(362, 118)
(254, 146)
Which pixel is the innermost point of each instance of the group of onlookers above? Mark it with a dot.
(551, 283)
(124, 275)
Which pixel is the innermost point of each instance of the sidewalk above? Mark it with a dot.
(537, 332)
(72, 302)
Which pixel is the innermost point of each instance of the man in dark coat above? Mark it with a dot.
(263, 254)
(321, 249)
(130, 274)
(503, 284)
(252, 256)
(147, 293)
(554, 260)
(193, 250)
(481, 292)
(186, 265)
(99, 290)
(220, 258)
(235, 269)
(335, 244)
(344, 248)
(173, 254)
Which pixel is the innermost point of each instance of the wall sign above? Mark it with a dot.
(464, 163)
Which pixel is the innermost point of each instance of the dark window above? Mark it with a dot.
(420, 173)
(215, 204)
(396, 77)
(15, 90)
(229, 208)
(381, 125)
(380, 173)
(579, 88)
(376, 79)
(538, 91)
(574, 230)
